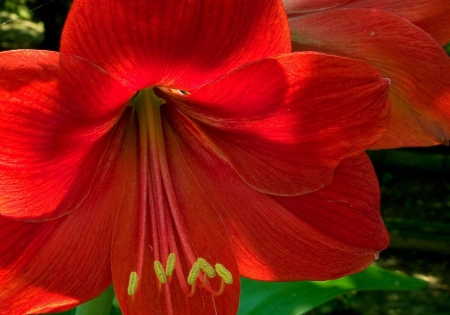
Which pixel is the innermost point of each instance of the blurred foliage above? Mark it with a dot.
(32, 23)
(414, 183)
(19, 7)
(16, 32)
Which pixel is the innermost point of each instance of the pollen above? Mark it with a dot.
(206, 267)
(193, 274)
(171, 260)
(223, 272)
(133, 283)
(159, 270)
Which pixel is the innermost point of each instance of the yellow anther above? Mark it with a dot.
(206, 267)
(170, 267)
(193, 274)
(159, 270)
(133, 283)
(224, 273)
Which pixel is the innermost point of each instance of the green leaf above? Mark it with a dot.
(71, 312)
(294, 298)
(104, 304)
(101, 305)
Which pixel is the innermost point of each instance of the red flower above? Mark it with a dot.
(403, 39)
(179, 144)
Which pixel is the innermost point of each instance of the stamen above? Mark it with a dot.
(143, 184)
(133, 283)
(170, 267)
(193, 274)
(159, 270)
(159, 204)
(221, 290)
(223, 272)
(206, 267)
(164, 190)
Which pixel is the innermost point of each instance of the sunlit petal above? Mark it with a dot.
(176, 43)
(58, 264)
(301, 115)
(52, 126)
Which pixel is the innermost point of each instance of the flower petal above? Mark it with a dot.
(303, 6)
(285, 123)
(326, 234)
(417, 66)
(55, 112)
(209, 239)
(429, 15)
(58, 264)
(174, 43)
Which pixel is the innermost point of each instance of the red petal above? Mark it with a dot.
(303, 6)
(417, 66)
(181, 44)
(58, 264)
(208, 237)
(285, 123)
(429, 15)
(322, 235)
(56, 110)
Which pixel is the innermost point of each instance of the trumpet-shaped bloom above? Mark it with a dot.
(403, 39)
(173, 146)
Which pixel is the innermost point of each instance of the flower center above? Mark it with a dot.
(160, 214)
